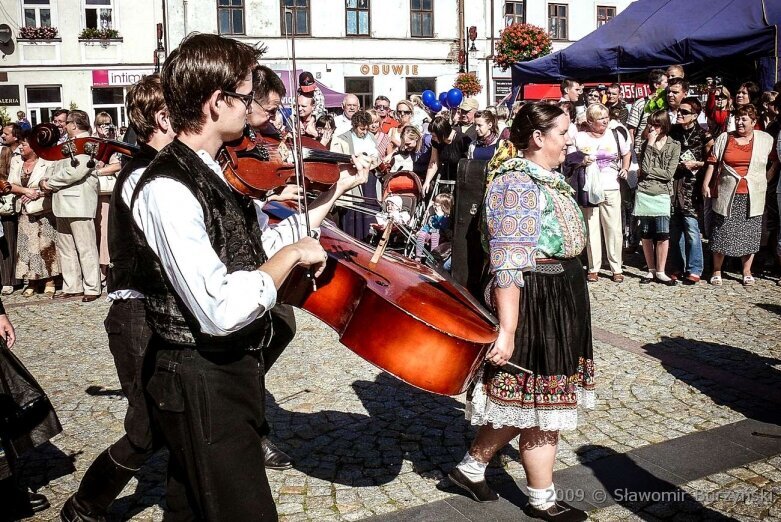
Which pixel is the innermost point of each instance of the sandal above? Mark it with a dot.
(715, 280)
(592, 277)
(748, 280)
(49, 288)
(28, 292)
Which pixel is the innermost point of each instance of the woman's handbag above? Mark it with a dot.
(8, 205)
(41, 205)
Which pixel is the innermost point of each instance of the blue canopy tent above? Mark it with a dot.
(652, 34)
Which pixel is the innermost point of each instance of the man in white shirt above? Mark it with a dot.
(128, 333)
(209, 278)
(343, 122)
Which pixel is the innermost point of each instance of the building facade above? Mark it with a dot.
(75, 54)
(367, 47)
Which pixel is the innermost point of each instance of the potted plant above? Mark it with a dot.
(37, 33)
(91, 33)
(519, 43)
(469, 84)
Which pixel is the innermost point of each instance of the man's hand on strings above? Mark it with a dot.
(355, 175)
(287, 193)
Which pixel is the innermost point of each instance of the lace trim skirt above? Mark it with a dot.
(553, 340)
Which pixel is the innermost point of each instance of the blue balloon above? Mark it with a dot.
(435, 106)
(454, 97)
(428, 97)
(443, 98)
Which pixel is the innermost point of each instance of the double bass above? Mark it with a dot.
(404, 317)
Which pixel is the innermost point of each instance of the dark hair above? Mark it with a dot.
(532, 117)
(655, 77)
(58, 112)
(144, 100)
(753, 91)
(679, 81)
(201, 65)
(489, 117)
(747, 110)
(16, 130)
(441, 128)
(325, 119)
(265, 81)
(80, 119)
(614, 113)
(694, 102)
(615, 85)
(660, 118)
(566, 84)
(361, 118)
(570, 107)
(382, 98)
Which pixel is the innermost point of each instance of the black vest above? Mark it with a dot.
(121, 227)
(234, 233)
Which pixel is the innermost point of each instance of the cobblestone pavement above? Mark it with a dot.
(367, 444)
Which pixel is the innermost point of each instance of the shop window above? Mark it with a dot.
(417, 85)
(363, 88)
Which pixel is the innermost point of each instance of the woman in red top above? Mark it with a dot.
(738, 192)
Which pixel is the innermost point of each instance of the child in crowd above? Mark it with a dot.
(393, 213)
(438, 222)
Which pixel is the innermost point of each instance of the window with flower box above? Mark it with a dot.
(99, 14)
(37, 13)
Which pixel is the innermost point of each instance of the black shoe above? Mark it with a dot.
(273, 457)
(72, 511)
(479, 491)
(38, 502)
(558, 512)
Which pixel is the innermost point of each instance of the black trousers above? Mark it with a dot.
(283, 321)
(209, 407)
(128, 339)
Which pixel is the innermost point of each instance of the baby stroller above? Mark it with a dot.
(407, 186)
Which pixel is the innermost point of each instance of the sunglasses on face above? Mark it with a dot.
(404, 113)
(246, 99)
(684, 112)
(382, 107)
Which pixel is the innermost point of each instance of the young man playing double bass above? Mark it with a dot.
(209, 277)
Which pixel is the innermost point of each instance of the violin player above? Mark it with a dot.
(128, 333)
(209, 276)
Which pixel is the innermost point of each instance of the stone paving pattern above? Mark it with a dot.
(366, 444)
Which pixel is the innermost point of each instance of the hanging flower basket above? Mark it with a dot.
(468, 83)
(37, 33)
(520, 43)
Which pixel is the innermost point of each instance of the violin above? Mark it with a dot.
(406, 318)
(248, 173)
(44, 137)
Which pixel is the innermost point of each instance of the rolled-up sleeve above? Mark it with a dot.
(513, 222)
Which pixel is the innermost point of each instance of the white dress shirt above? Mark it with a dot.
(172, 221)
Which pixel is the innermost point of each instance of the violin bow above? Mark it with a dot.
(296, 124)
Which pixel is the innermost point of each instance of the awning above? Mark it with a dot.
(332, 98)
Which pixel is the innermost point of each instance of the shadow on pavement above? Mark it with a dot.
(44, 464)
(744, 381)
(100, 391)
(632, 483)
(402, 423)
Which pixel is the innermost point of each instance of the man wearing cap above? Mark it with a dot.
(350, 106)
(382, 106)
(307, 86)
(466, 117)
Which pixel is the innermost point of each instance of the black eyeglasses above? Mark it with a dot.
(246, 99)
(404, 113)
(382, 107)
(684, 112)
